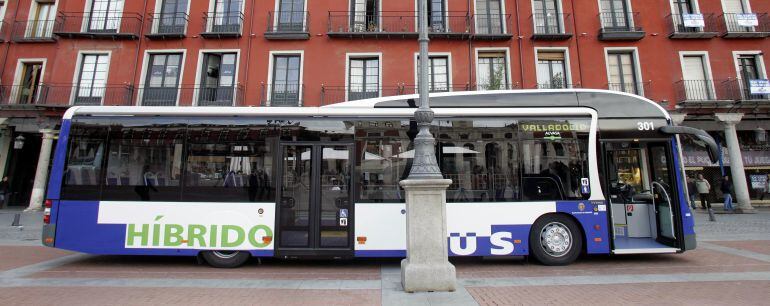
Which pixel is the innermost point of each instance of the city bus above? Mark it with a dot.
(550, 174)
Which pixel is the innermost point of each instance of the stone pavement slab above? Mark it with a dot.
(761, 247)
(12, 257)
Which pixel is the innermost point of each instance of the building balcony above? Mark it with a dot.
(166, 26)
(33, 31)
(552, 26)
(452, 25)
(556, 85)
(339, 94)
(64, 95)
(282, 95)
(492, 27)
(703, 92)
(620, 26)
(743, 92)
(222, 25)
(635, 88)
(191, 95)
(414, 89)
(745, 25)
(284, 25)
(692, 26)
(98, 25)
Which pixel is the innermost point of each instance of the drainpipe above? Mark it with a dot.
(577, 42)
(248, 51)
(8, 43)
(521, 51)
(138, 50)
(470, 48)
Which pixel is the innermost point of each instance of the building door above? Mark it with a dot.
(364, 79)
(227, 16)
(43, 23)
(22, 164)
(437, 15)
(489, 17)
(697, 86)
(615, 15)
(285, 89)
(105, 16)
(551, 70)
(622, 73)
(681, 8)
(218, 77)
(162, 80)
(291, 15)
(29, 88)
(547, 19)
(315, 193)
(172, 16)
(92, 81)
(365, 16)
(749, 70)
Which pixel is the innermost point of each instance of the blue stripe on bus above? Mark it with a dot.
(380, 253)
(597, 241)
(688, 222)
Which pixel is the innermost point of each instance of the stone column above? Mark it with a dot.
(41, 174)
(426, 267)
(737, 172)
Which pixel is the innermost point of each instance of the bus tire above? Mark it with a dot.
(226, 259)
(555, 240)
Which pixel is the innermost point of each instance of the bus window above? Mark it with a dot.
(384, 158)
(85, 155)
(144, 164)
(228, 165)
(555, 159)
(481, 158)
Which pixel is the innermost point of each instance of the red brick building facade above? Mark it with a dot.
(696, 57)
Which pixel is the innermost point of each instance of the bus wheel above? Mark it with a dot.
(226, 259)
(555, 240)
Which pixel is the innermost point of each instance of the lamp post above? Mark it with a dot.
(427, 266)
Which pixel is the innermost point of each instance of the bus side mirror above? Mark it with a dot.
(711, 144)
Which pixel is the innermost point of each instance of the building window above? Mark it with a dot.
(92, 79)
(105, 16)
(551, 70)
(437, 15)
(489, 17)
(547, 17)
(29, 86)
(172, 17)
(364, 78)
(749, 70)
(227, 16)
(286, 85)
(492, 71)
(218, 79)
(162, 80)
(615, 15)
(438, 73)
(42, 24)
(365, 15)
(697, 85)
(291, 15)
(622, 72)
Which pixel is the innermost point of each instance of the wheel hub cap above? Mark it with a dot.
(556, 239)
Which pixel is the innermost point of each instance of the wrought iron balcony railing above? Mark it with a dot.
(619, 25)
(98, 24)
(552, 26)
(288, 25)
(414, 89)
(636, 88)
(337, 94)
(65, 95)
(753, 25)
(282, 94)
(556, 85)
(33, 31)
(492, 26)
(222, 24)
(692, 26)
(394, 24)
(191, 95)
(704, 91)
(742, 91)
(167, 25)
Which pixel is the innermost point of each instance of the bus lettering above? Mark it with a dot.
(253, 236)
(198, 236)
(131, 234)
(502, 243)
(239, 234)
(172, 235)
(456, 242)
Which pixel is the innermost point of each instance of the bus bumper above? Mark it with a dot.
(49, 233)
(689, 242)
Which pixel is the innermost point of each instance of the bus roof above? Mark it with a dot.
(607, 104)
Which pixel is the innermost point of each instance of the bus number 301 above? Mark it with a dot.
(645, 126)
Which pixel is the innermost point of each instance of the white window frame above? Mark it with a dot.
(19, 70)
(212, 4)
(145, 67)
(507, 51)
(276, 10)
(86, 16)
(760, 65)
(695, 6)
(2, 12)
(707, 61)
(157, 10)
(199, 68)
(349, 56)
(79, 67)
(559, 10)
(33, 7)
(637, 65)
(272, 55)
(448, 56)
(568, 69)
(502, 12)
(417, 18)
(746, 4)
(350, 11)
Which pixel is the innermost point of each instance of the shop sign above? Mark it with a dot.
(693, 20)
(758, 181)
(750, 159)
(759, 87)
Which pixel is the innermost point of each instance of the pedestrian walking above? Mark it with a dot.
(727, 190)
(704, 188)
(5, 188)
(692, 191)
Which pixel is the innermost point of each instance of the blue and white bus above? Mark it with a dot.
(548, 174)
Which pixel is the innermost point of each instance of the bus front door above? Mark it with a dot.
(314, 211)
(642, 196)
